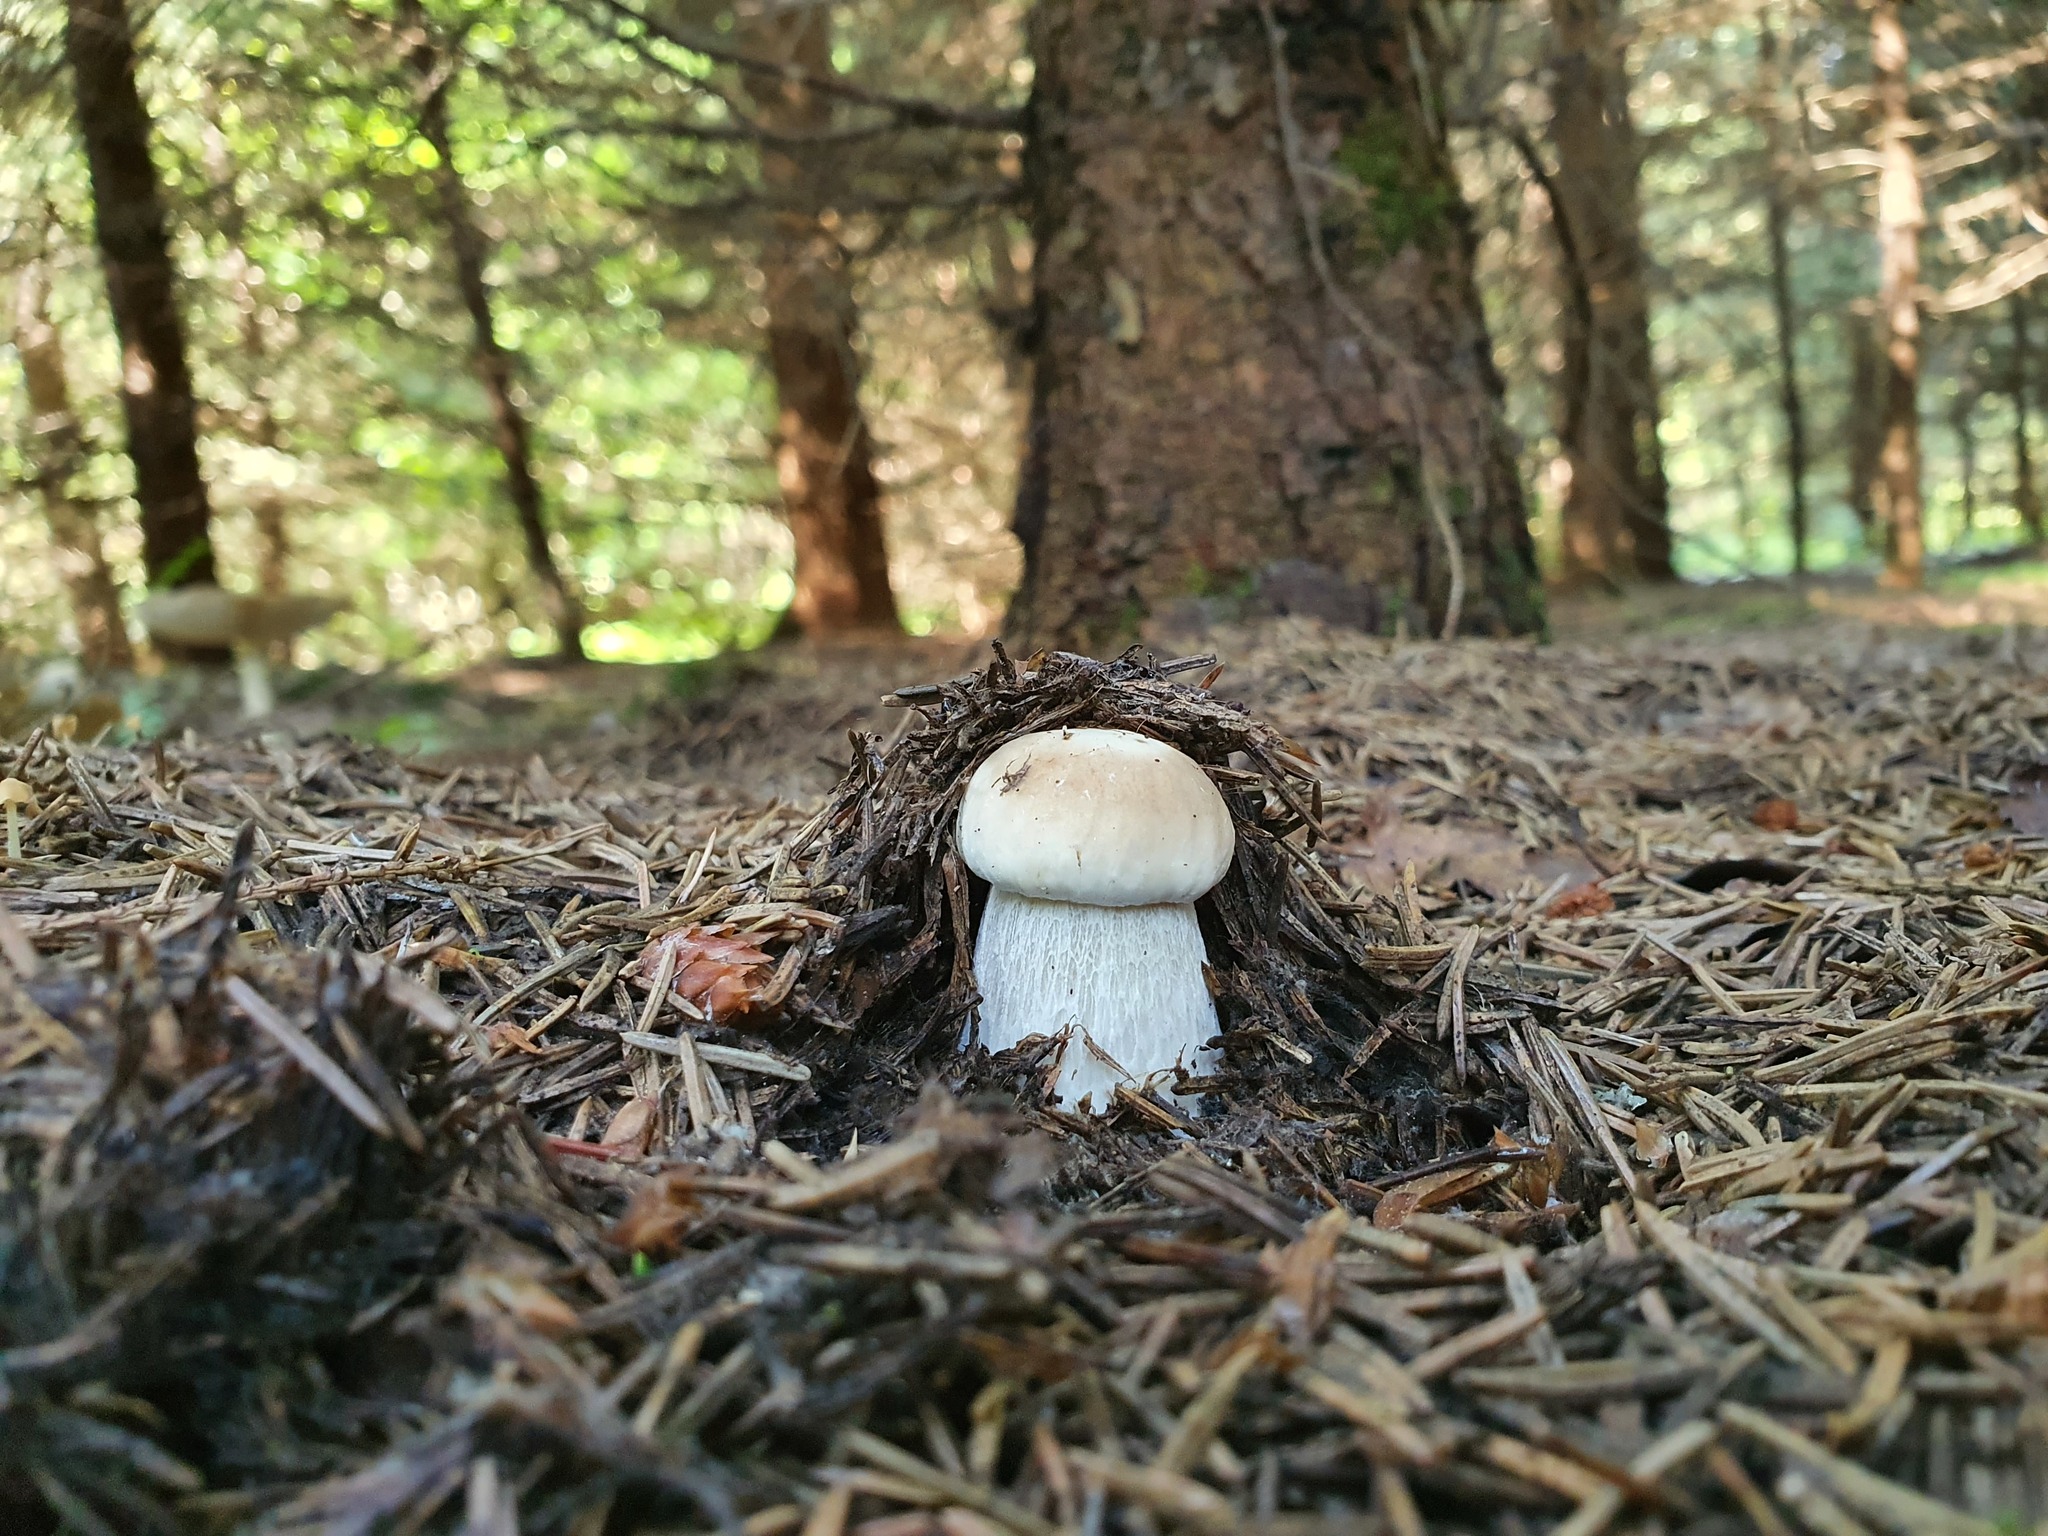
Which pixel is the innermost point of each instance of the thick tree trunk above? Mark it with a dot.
(823, 455)
(54, 451)
(1901, 215)
(495, 365)
(128, 218)
(1785, 313)
(2026, 497)
(1221, 397)
(1616, 513)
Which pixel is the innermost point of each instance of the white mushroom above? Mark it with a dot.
(1096, 844)
(212, 617)
(19, 797)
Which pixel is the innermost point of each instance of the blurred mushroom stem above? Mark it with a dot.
(259, 695)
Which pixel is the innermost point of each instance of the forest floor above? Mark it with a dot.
(1635, 1106)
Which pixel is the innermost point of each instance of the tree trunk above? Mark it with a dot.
(1231, 382)
(1900, 217)
(1864, 429)
(1778, 222)
(54, 451)
(496, 366)
(1616, 513)
(128, 218)
(259, 420)
(2026, 497)
(823, 455)
(1963, 422)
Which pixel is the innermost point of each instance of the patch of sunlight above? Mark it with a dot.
(625, 641)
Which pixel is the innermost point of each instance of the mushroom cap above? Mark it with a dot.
(213, 616)
(1102, 818)
(18, 792)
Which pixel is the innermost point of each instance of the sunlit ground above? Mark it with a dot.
(646, 688)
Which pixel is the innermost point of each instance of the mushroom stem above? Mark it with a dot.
(1125, 983)
(13, 831)
(258, 697)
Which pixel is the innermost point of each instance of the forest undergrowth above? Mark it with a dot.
(1631, 1114)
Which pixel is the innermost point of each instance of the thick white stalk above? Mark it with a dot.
(258, 697)
(1125, 983)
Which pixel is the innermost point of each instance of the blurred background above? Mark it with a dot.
(397, 231)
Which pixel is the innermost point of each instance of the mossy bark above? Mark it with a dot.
(1211, 414)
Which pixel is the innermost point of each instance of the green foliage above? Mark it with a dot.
(332, 356)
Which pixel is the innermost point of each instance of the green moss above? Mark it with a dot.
(1238, 586)
(1407, 202)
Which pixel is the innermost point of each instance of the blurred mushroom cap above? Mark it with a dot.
(18, 792)
(214, 616)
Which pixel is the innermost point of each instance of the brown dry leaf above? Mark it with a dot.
(1447, 852)
(1535, 1178)
(2026, 1298)
(1430, 1191)
(1776, 815)
(721, 973)
(489, 1295)
(658, 1216)
(630, 1126)
(1591, 900)
(1304, 1277)
(508, 1037)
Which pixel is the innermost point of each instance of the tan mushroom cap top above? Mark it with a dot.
(17, 792)
(1103, 818)
(214, 616)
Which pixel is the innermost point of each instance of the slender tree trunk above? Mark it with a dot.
(128, 218)
(1863, 431)
(1778, 221)
(496, 366)
(259, 420)
(1963, 422)
(1616, 513)
(2026, 497)
(54, 451)
(1901, 215)
(823, 455)
(1256, 349)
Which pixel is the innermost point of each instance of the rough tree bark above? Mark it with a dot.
(54, 450)
(128, 219)
(1616, 513)
(2026, 496)
(1785, 313)
(496, 366)
(823, 454)
(1258, 349)
(1901, 215)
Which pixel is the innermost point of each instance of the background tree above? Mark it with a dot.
(1615, 512)
(128, 217)
(435, 65)
(1781, 117)
(1901, 215)
(823, 453)
(55, 451)
(1257, 339)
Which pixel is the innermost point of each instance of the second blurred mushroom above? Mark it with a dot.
(209, 617)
